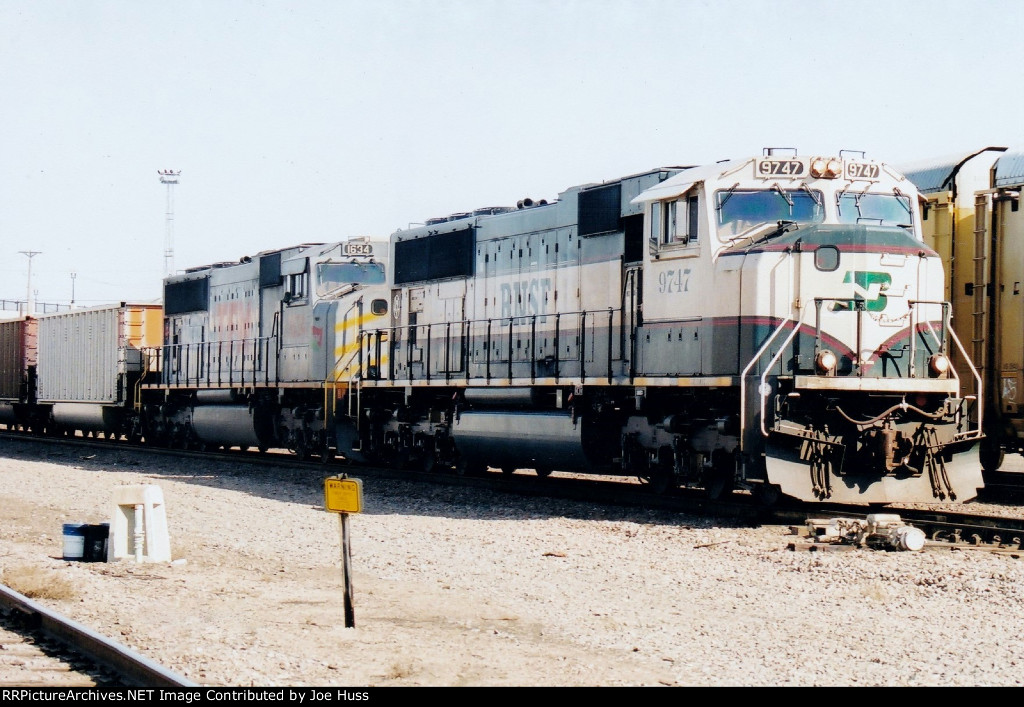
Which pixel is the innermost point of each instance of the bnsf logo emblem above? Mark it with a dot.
(867, 291)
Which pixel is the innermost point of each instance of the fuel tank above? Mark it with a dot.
(522, 439)
(231, 425)
(87, 417)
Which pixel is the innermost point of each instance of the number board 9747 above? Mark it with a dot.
(862, 170)
(784, 168)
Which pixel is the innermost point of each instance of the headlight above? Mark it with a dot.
(938, 364)
(825, 361)
(826, 168)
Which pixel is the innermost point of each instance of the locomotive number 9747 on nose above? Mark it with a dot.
(774, 323)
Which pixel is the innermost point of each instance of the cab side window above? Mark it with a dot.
(676, 222)
(297, 286)
(669, 232)
(692, 222)
(655, 223)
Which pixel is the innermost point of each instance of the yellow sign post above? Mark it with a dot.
(343, 495)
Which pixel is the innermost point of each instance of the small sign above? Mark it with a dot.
(773, 168)
(357, 249)
(862, 171)
(343, 495)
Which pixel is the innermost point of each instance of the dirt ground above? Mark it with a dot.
(462, 587)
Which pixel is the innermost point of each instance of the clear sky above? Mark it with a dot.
(313, 121)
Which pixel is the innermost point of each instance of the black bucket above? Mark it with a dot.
(96, 538)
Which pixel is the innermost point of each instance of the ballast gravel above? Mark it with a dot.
(462, 587)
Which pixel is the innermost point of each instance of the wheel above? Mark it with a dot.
(428, 462)
(660, 481)
(468, 468)
(991, 454)
(543, 472)
(717, 485)
(718, 481)
(508, 470)
(767, 494)
(301, 450)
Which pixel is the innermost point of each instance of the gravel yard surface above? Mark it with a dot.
(456, 587)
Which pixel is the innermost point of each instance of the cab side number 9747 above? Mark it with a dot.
(674, 281)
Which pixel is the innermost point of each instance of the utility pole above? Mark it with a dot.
(29, 303)
(73, 290)
(170, 178)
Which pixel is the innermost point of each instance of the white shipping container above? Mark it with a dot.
(88, 355)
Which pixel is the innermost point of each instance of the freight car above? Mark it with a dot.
(972, 218)
(773, 323)
(17, 371)
(90, 366)
(77, 371)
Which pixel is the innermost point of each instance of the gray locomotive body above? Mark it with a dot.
(257, 353)
(774, 324)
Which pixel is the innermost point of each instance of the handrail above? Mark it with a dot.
(764, 376)
(913, 334)
(334, 377)
(178, 362)
(755, 359)
(977, 377)
(147, 354)
(500, 333)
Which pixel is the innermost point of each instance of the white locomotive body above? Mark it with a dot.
(774, 324)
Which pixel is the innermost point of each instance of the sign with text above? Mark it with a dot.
(343, 495)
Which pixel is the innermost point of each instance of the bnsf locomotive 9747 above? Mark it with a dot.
(774, 323)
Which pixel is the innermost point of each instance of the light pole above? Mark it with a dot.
(169, 177)
(29, 304)
(73, 290)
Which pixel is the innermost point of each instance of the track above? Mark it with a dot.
(970, 527)
(31, 660)
(49, 649)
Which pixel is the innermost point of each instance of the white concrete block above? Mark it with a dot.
(138, 525)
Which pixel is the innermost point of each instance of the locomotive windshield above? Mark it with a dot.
(332, 275)
(741, 209)
(887, 209)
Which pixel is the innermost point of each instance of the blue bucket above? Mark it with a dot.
(74, 541)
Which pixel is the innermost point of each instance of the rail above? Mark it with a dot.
(134, 668)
